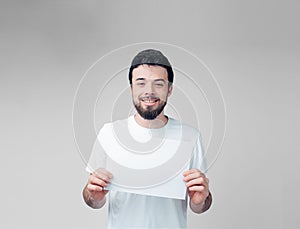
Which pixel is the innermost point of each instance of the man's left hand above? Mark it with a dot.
(197, 185)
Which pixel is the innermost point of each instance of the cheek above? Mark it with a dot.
(134, 94)
(163, 94)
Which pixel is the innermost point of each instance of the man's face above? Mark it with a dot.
(150, 90)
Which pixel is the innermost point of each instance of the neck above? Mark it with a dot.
(160, 121)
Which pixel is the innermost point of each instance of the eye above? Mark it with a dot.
(140, 84)
(159, 84)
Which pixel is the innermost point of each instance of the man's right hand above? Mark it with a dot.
(94, 192)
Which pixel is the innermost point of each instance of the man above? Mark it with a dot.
(151, 78)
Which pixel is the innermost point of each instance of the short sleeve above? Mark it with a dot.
(97, 158)
(198, 159)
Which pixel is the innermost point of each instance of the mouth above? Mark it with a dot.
(149, 101)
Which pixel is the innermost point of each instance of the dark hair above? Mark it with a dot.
(154, 58)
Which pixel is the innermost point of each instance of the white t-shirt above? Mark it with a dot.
(129, 210)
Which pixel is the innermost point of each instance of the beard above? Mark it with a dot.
(150, 113)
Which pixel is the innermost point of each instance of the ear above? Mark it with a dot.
(170, 89)
(130, 89)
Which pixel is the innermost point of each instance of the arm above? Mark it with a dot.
(203, 207)
(94, 193)
(198, 190)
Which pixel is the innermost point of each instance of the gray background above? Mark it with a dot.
(252, 47)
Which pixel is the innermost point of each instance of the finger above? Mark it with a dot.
(107, 173)
(96, 181)
(188, 172)
(197, 188)
(94, 188)
(100, 177)
(192, 171)
(103, 174)
(198, 181)
(193, 176)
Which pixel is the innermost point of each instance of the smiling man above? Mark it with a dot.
(151, 79)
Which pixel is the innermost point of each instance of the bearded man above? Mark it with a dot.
(151, 83)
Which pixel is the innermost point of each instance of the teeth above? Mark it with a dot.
(149, 100)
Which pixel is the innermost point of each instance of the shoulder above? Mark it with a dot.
(187, 131)
(109, 126)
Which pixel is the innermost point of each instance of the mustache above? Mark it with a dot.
(148, 97)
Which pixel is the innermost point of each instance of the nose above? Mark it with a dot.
(149, 89)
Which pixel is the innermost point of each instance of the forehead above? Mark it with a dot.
(150, 72)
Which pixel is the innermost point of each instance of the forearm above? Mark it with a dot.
(202, 207)
(90, 201)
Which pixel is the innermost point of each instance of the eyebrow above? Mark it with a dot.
(160, 80)
(141, 78)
